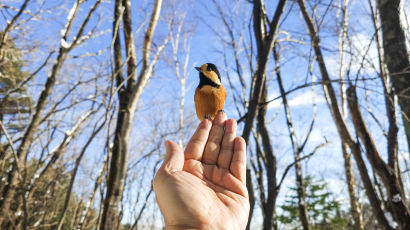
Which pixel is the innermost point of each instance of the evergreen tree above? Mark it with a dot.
(44, 203)
(324, 211)
(15, 104)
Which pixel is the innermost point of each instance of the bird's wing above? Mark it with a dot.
(220, 97)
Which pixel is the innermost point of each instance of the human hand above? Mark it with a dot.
(205, 187)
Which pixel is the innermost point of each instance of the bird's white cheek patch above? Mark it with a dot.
(212, 75)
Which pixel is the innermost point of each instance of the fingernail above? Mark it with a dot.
(204, 122)
(166, 144)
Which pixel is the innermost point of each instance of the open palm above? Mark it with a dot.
(204, 188)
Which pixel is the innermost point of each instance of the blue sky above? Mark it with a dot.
(160, 99)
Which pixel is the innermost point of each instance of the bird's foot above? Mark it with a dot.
(207, 117)
(221, 111)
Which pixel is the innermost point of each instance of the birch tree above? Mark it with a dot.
(350, 179)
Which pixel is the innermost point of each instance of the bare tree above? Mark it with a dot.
(97, 129)
(129, 90)
(264, 40)
(389, 176)
(297, 149)
(350, 180)
(180, 60)
(27, 139)
(263, 160)
(9, 27)
(77, 160)
(396, 55)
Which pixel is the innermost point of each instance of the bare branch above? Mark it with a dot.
(11, 144)
(9, 26)
(285, 172)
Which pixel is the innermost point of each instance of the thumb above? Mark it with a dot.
(174, 157)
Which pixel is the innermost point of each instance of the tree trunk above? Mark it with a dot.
(12, 180)
(354, 203)
(340, 123)
(350, 180)
(12, 184)
(251, 197)
(303, 212)
(388, 175)
(119, 157)
(128, 95)
(270, 165)
(264, 41)
(396, 55)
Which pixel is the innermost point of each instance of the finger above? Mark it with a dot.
(226, 152)
(196, 144)
(213, 144)
(174, 157)
(238, 163)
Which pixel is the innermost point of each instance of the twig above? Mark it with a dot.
(296, 161)
(12, 148)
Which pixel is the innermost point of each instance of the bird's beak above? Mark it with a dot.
(198, 68)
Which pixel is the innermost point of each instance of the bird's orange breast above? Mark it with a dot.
(209, 100)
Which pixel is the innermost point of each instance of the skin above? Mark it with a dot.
(205, 186)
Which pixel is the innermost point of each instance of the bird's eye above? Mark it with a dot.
(208, 68)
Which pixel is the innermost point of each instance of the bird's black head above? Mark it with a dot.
(212, 67)
(209, 75)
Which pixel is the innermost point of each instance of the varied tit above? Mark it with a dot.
(210, 94)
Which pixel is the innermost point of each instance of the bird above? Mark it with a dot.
(210, 94)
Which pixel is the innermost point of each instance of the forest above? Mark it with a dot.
(91, 89)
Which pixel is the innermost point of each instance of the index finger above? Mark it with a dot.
(196, 144)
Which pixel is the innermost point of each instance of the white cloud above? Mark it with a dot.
(305, 98)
